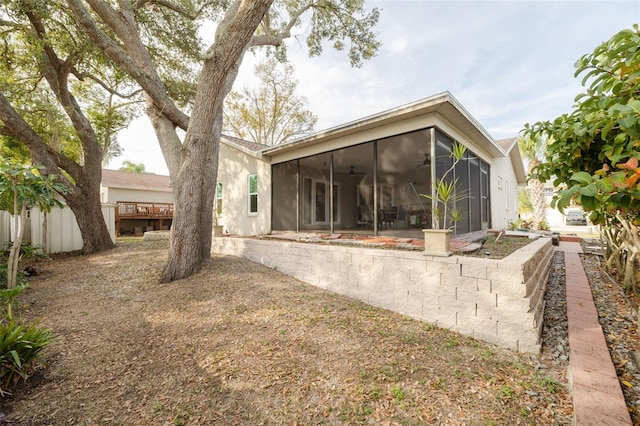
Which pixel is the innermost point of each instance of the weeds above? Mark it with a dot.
(398, 393)
(550, 385)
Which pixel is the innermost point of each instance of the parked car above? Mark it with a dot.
(576, 217)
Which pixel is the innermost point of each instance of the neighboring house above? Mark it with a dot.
(348, 177)
(144, 200)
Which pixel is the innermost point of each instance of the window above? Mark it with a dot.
(253, 194)
(219, 198)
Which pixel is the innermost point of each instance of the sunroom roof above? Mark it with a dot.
(443, 104)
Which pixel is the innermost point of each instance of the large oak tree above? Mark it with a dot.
(155, 44)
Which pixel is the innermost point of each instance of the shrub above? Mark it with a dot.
(28, 255)
(20, 347)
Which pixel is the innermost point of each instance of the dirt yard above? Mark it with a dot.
(242, 344)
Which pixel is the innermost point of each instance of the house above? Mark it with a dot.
(144, 200)
(370, 174)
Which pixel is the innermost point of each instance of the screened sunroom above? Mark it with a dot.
(381, 185)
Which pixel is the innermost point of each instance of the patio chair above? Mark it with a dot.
(390, 217)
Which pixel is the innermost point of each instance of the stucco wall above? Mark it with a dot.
(498, 301)
(234, 169)
(504, 193)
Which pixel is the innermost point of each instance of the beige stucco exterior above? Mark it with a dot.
(442, 111)
(235, 165)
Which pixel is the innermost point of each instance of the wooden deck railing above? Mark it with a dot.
(138, 210)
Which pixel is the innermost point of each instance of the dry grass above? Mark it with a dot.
(242, 344)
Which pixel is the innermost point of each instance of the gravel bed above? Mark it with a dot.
(555, 337)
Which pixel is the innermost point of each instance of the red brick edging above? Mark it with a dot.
(597, 396)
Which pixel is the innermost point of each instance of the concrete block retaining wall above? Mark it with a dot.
(498, 301)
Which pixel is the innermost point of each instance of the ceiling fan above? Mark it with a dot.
(353, 173)
(426, 161)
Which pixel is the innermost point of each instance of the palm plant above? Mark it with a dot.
(446, 193)
(532, 149)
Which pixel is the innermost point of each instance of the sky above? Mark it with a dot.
(507, 62)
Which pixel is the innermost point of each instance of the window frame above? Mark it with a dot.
(218, 197)
(252, 194)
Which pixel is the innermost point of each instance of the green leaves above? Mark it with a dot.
(594, 150)
(20, 347)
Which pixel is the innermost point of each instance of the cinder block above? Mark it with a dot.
(424, 277)
(361, 259)
(413, 308)
(513, 304)
(467, 283)
(487, 299)
(444, 317)
(395, 277)
(525, 335)
(522, 320)
(484, 325)
(507, 275)
(438, 290)
(443, 268)
(484, 286)
(509, 288)
(459, 306)
(474, 270)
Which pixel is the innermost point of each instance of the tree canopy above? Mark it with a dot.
(130, 166)
(594, 150)
(593, 153)
(271, 114)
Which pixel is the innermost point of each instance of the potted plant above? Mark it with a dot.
(218, 230)
(444, 213)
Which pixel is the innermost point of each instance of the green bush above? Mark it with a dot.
(28, 255)
(20, 347)
(3, 275)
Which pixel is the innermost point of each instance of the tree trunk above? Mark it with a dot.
(537, 198)
(19, 219)
(190, 243)
(194, 182)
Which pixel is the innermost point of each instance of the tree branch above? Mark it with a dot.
(270, 39)
(135, 60)
(41, 153)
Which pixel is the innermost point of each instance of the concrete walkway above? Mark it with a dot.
(597, 396)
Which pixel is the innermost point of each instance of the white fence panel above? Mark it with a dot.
(63, 233)
(5, 227)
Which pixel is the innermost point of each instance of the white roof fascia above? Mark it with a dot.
(425, 106)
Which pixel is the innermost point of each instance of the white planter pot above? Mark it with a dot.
(436, 242)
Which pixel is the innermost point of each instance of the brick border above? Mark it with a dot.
(597, 395)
